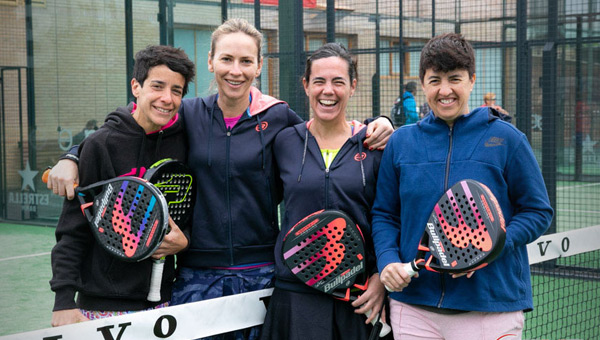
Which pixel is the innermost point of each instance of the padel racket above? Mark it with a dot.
(174, 180)
(465, 231)
(326, 251)
(128, 216)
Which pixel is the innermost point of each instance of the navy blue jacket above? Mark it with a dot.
(348, 185)
(420, 162)
(235, 217)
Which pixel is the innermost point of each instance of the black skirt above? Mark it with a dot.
(302, 316)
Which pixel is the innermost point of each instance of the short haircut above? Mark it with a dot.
(445, 53)
(155, 55)
(411, 86)
(332, 50)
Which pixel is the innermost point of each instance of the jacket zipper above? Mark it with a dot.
(326, 187)
(446, 175)
(228, 188)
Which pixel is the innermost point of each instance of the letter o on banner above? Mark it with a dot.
(171, 326)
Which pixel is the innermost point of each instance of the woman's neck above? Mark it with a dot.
(233, 107)
(330, 134)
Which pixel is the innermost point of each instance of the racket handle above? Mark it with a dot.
(385, 328)
(410, 268)
(156, 279)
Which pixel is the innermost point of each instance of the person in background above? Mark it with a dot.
(150, 129)
(90, 127)
(419, 164)
(489, 100)
(324, 165)
(404, 110)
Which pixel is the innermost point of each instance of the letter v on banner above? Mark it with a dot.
(182, 322)
(568, 243)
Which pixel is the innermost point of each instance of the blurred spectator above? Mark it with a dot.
(404, 110)
(489, 99)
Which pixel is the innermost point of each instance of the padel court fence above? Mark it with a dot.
(63, 63)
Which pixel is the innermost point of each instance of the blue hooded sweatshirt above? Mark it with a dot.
(420, 162)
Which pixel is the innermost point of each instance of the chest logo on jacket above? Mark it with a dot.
(494, 141)
(263, 126)
(360, 156)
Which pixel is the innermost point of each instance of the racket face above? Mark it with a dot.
(326, 251)
(128, 216)
(465, 230)
(175, 181)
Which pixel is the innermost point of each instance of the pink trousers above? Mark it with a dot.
(413, 323)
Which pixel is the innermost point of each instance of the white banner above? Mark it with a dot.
(568, 243)
(183, 322)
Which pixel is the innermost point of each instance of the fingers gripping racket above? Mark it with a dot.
(326, 251)
(174, 180)
(465, 231)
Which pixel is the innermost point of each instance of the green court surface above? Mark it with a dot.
(25, 270)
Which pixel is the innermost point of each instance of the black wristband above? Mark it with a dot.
(70, 157)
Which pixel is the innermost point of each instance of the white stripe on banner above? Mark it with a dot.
(182, 322)
(568, 243)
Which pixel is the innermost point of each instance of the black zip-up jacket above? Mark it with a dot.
(120, 147)
(348, 185)
(235, 217)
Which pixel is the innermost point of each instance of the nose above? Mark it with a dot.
(445, 89)
(328, 88)
(235, 69)
(166, 96)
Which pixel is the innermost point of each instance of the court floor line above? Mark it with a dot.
(24, 256)
(579, 211)
(577, 186)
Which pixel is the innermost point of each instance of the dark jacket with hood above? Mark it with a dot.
(104, 282)
(235, 217)
(347, 185)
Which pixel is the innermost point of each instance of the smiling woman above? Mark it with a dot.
(323, 165)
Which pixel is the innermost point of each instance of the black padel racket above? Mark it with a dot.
(465, 231)
(174, 180)
(326, 251)
(128, 216)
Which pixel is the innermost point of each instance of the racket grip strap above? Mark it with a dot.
(385, 328)
(155, 280)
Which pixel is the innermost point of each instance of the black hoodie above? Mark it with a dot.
(120, 147)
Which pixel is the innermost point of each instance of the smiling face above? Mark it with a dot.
(448, 93)
(329, 88)
(158, 98)
(235, 64)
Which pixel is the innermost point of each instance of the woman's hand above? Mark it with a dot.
(378, 133)
(371, 300)
(63, 178)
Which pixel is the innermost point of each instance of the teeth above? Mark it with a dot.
(327, 102)
(234, 82)
(163, 110)
(446, 101)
